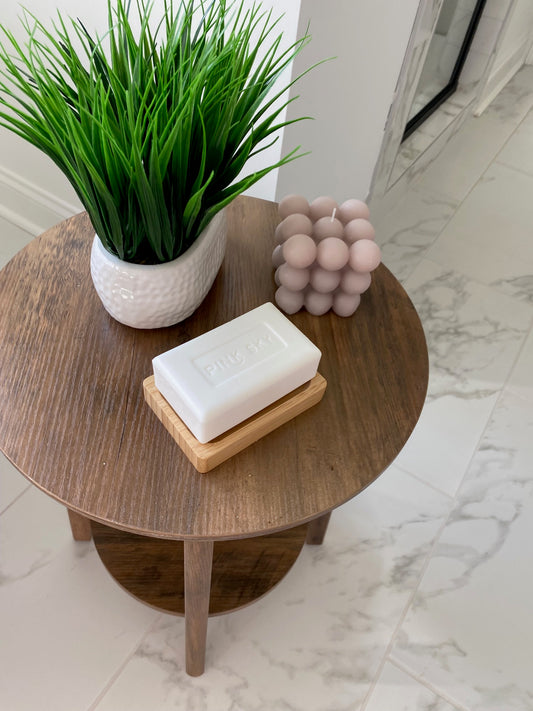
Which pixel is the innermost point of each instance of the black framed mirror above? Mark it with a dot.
(446, 55)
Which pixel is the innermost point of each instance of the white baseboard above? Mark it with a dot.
(500, 76)
(29, 206)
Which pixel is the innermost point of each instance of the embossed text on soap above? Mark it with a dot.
(238, 355)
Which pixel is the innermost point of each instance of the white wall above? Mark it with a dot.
(33, 192)
(348, 97)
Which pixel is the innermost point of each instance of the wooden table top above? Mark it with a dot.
(73, 419)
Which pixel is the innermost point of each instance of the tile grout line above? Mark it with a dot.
(387, 655)
(118, 671)
(429, 554)
(505, 384)
(494, 159)
(14, 501)
(518, 125)
(403, 614)
(388, 652)
(420, 480)
(422, 254)
(495, 289)
(512, 366)
(418, 186)
(469, 107)
(418, 181)
(508, 166)
(420, 680)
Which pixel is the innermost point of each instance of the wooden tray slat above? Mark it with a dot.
(205, 457)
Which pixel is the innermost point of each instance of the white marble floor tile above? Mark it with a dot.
(316, 641)
(484, 39)
(410, 150)
(474, 335)
(489, 238)
(420, 140)
(444, 115)
(469, 630)
(518, 151)
(397, 691)
(514, 101)
(521, 379)
(407, 231)
(470, 151)
(413, 177)
(465, 158)
(445, 439)
(473, 332)
(12, 483)
(65, 625)
(12, 239)
(496, 9)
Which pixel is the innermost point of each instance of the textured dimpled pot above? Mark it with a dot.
(159, 295)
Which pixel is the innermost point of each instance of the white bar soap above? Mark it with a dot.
(221, 378)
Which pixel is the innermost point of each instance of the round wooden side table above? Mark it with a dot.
(73, 420)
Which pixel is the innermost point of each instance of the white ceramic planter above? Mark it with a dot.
(159, 295)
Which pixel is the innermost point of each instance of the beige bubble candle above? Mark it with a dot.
(324, 255)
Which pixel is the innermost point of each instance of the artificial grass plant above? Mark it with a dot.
(152, 127)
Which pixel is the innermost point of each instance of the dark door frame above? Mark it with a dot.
(451, 86)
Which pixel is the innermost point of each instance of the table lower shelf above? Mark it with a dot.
(151, 569)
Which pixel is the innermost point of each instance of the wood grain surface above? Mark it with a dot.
(243, 570)
(197, 564)
(74, 421)
(80, 526)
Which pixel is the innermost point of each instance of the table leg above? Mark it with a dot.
(198, 560)
(80, 526)
(317, 529)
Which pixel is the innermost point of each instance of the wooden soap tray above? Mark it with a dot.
(205, 457)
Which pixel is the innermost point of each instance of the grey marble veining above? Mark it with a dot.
(420, 597)
(316, 641)
(401, 163)
(469, 629)
(416, 171)
(406, 161)
(415, 146)
(405, 232)
(405, 91)
(489, 237)
(474, 335)
(397, 120)
(398, 691)
(517, 152)
(520, 381)
(473, 332)
(12, 484)
(61, 616)
(514, 100)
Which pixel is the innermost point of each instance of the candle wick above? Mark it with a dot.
(333, 214)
